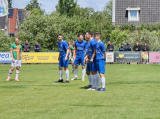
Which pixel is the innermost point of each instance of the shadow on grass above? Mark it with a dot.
(94, 105)
(11, 86)
(132, 82)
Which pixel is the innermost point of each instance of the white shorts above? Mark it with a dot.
(16, 64)
(72, 61)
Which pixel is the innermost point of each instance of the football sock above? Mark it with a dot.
(90, 79)
(93, 81)
(17, 73)
(10, 72)
(83, 73)
(73, 67)
(97, 80)
(67, 75)
(61, 74)
(103, 82)
(76, 72)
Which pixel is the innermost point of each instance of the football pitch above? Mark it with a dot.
(132, 92)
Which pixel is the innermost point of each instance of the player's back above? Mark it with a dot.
(92, 47)
(100, 48)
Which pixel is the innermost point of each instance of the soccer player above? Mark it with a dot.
(63, 58)
(100, 59)
(16, 54)
(71, 56)
(80, 46)
(88, 68)
(91, 54)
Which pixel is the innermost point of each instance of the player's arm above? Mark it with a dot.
(75, 51)
(67, 52)
(86, 59)
(94, 54)
(105, 56)
(21, 54)
(11, 52)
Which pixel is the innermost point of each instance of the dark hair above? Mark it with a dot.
(59, 35)
(80, 34)
(90, 33)
(97, 33)
(121, 43)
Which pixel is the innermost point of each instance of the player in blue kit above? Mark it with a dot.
(63, 59)
(100, 59)
(80, 46)
(91, 54)
(88, 68)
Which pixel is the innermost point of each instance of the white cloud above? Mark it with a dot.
(49, 5)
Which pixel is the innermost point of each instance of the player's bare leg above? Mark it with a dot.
(10, 73)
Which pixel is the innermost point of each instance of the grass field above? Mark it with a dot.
(132, 92)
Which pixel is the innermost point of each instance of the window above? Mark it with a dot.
(133, 14)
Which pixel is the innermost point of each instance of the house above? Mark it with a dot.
(135, 12)
(4, 24)
(10, 24)
(13, 22)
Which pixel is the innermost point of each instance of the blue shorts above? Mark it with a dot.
(63, 63)
(88, 68)
(94, 66)
(101, 66)
(79, 60)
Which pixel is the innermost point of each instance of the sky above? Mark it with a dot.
(49, 5)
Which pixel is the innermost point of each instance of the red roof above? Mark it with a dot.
(12, 21)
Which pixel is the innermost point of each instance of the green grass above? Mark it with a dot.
(132, 92)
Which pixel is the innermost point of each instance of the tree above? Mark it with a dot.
(66, 7)
(33, 4)
(9, 3)
(108, 10)
(5, 41)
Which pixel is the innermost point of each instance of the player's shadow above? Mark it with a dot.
(132, 82)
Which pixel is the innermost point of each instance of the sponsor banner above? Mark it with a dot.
(5, 58)
(127, 57)
(110, 57)
(154, 57)
(40, 57)
(144, 56)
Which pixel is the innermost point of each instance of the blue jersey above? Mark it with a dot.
(80, 47)
(100, 48)
(87, 46)
(92, 47)
(63, 46)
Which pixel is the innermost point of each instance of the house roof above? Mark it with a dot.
(13, 20)
(2, 22)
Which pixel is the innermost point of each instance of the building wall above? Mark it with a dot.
(149, 13)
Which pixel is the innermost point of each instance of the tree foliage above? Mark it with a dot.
(33, 4)
(9, 3)
(5, 41)
(67, 7)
